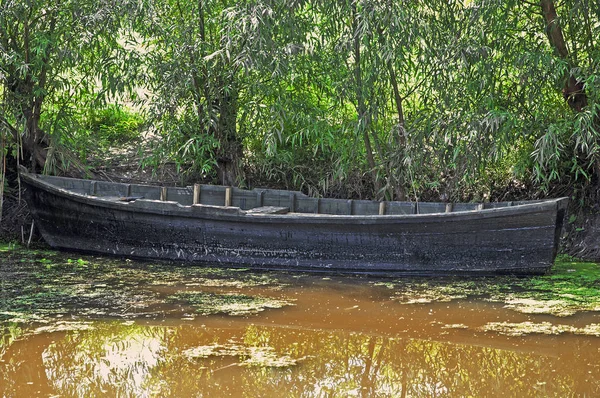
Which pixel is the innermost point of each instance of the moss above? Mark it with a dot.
(455, 326)
(540, 306)
(40, 284)
(63, 326)
(428, 292)
(570, 287)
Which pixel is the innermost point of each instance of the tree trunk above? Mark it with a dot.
(36, 141)
(400, 138)
(28, 98)
(33, 142)
(573, 91)
(230, 154)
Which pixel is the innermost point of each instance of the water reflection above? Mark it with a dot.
(117, 359)
(109, 358)
(96, 327)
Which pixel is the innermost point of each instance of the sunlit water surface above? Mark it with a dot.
(86, 327)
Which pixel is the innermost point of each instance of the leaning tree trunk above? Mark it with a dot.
(32, 142)
(26, 95)
(35, 143)
(583, 236)
(573, 89)
(401, 136)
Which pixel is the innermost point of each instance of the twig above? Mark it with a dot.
(105, 175)
(118, 166)
(227, 366)
(30, 233)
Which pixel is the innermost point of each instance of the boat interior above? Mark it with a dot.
(258, 200)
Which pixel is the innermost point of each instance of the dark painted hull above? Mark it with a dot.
(519, 240)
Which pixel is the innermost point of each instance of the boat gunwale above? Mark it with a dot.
(231, 213)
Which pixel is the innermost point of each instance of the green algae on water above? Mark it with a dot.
(569, 288)
(250, 356)
(228, 303)
(525, 328)
(38, 286)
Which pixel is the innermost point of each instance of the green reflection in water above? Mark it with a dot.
(116, 359)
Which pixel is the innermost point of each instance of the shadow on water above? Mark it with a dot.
(89, 326)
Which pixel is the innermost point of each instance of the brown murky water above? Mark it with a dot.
(135, 330)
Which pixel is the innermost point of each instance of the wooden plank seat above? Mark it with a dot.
(268, 210)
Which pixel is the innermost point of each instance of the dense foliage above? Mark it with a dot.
(373, 98)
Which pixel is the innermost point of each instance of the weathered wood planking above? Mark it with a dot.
(289, 230)
(245, 199)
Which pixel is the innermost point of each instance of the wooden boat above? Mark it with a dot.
(276, 229)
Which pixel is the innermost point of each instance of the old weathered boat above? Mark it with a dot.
(278, 229)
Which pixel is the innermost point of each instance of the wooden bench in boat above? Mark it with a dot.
(268, 210)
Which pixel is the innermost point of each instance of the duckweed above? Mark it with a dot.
(525, 328)
(569, 288)
(249, 356)
(38, 286)
(229, 303)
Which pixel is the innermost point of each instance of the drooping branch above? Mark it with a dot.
(363, 122)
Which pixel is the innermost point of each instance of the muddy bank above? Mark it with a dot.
(16, 220)
(582, 235)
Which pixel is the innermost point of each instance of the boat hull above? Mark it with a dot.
(514, 240)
